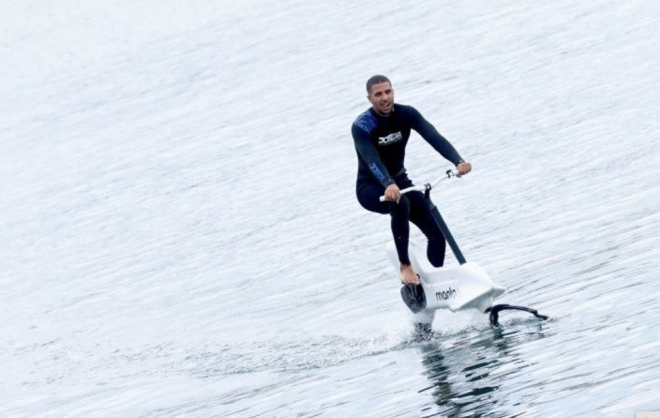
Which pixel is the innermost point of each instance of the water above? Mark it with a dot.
(180, 236)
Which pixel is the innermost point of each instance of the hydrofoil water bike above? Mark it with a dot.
(462, 287)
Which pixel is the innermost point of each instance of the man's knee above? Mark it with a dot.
(400, 209)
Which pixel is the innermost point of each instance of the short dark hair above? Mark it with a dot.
(377, 79)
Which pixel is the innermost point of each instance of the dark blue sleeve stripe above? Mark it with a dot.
(379, 174)
(366, 122)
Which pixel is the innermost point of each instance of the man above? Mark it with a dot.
(380, 135)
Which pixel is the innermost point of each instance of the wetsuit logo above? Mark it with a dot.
(448, 294)
(386, 140)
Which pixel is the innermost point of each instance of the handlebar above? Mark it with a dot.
(448, 174)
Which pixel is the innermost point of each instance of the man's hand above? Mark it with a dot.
(392, 193)
(463, 169)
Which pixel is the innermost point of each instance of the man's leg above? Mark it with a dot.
(421, 215)
(369, 197)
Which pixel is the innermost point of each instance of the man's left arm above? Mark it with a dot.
(438, 142)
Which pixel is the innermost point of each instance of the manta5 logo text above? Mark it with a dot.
(447, 294)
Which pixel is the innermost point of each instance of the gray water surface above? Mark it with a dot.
(179, 235)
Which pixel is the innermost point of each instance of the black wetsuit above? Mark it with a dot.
(380, 142)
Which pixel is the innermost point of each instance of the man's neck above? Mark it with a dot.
(381, 115)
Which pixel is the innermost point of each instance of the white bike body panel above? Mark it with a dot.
(465, 286)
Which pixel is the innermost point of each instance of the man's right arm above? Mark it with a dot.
(369, 154)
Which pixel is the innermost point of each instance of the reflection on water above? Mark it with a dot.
(460, 375)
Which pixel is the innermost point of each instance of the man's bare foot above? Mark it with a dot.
(408, 275)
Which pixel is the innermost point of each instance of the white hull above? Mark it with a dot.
(466, 286)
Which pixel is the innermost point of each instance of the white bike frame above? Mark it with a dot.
(466, 286)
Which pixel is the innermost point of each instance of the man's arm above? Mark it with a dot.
(433, 137)
(369, 154)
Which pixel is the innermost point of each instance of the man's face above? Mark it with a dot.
(382, 98)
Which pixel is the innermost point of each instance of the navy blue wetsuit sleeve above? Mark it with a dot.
(369, 154)
(433, 137)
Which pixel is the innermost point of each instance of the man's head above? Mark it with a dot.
(380, 94)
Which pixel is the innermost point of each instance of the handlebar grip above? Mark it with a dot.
(448, 174)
